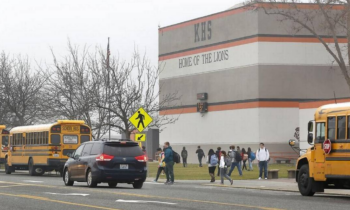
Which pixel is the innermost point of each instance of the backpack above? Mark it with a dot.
(252, 156)
(238, 156)
(176, 157)
(227, 162)
(213, 160)
(230, 155)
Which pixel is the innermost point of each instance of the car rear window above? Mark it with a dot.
(122, 151)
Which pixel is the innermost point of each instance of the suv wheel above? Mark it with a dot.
(66, 178)
(112, 184)
(90, 181)
(137, 185)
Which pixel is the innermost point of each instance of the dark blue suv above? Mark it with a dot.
(106, 161)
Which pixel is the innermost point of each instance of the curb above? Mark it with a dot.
(273, 189)
(251, 188)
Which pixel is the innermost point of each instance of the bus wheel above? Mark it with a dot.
(31, 167)
(39, 171)
(305, 182)
(8, 169)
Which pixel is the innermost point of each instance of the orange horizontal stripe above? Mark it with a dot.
(178, 111)
(316, 104)
(245, 9)
(223, 107)
(248, 41)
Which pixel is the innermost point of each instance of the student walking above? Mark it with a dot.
(161, 163)
(212, 161)
(235, 158)
(224, 163)
(200, 154)
(169, 163)
(244, 158)
(251, 158)
(263, 156)
(218, 154)
(240, 161)
(184, 156)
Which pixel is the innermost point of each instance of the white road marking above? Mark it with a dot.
(32, 181)
(67, 194)
(153, 183)
(143, 201)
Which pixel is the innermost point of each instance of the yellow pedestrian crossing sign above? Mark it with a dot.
(140, 137)
(140, 119)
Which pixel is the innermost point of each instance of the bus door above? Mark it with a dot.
(319, 156)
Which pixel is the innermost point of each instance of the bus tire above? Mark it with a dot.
(8, 169)
(31, 168)
(41, 171)
(305, 182)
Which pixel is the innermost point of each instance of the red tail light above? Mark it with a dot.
(104, 157)
(141, 158)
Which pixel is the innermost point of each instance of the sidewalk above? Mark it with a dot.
(286, 185)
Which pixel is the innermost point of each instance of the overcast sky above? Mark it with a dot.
(32, 27)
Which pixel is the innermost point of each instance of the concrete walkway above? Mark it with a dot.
(287, 185)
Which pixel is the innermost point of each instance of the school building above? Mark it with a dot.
(243, 79)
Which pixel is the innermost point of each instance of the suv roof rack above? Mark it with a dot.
(114, 140)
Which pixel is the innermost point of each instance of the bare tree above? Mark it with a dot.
(72, 89)
(21, 91)
(326, 20)
(132, 85)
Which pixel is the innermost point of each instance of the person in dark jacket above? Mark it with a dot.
(169, 163)
(184, 156)
(200, 154)
(218, 154)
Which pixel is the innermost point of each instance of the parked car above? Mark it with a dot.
(106, 161)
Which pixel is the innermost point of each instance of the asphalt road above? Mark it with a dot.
(21, 191)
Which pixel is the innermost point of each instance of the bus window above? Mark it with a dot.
(84, 139)
(331, 128)
(320, 132)
(5, 140)
(341, 127)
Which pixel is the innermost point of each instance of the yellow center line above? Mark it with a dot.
(56, 201)
(159, 197)
(16, 185)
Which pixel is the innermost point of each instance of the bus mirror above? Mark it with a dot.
(310, 126)
(292, 142)
(310, 138)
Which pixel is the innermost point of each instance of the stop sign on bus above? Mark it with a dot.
(327, 146)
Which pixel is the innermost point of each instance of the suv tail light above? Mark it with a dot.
(104, 157)
(141, 158)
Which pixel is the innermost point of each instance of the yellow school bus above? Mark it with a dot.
(42, 148)
(326, 164)
(4, 138)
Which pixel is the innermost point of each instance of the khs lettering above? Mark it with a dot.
(202, 31)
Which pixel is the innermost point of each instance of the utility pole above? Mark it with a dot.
(108, 93)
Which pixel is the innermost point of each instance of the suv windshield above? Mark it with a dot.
(122, 150)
